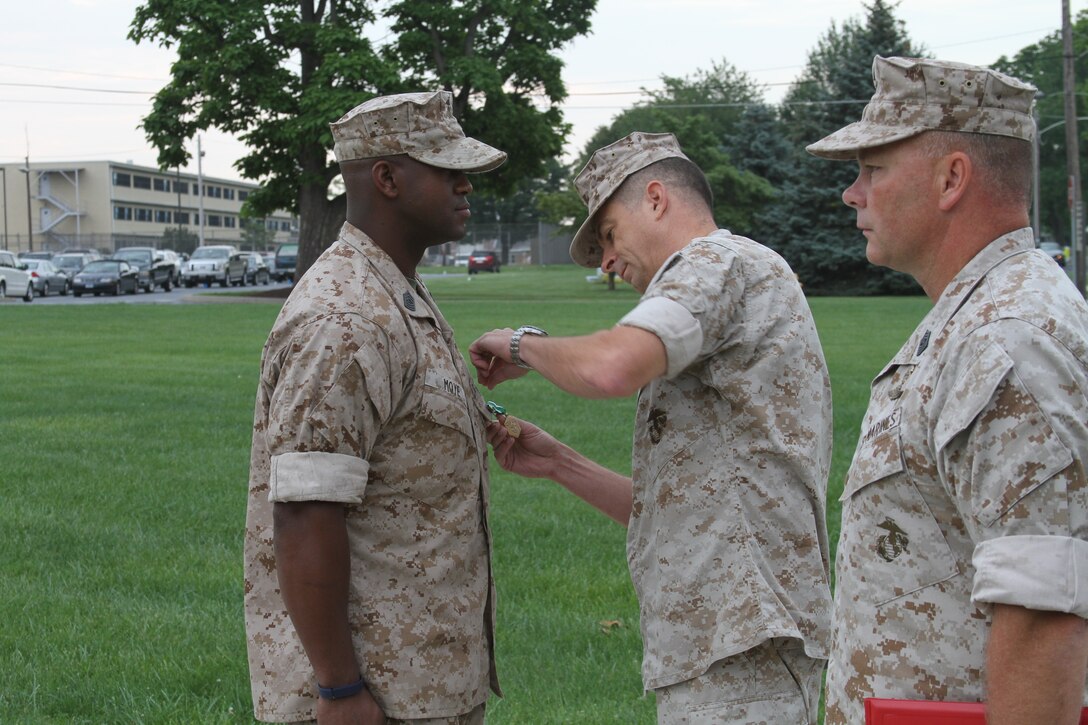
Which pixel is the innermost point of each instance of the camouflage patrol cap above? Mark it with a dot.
(606, 171)
(915, 95)
(420, 125)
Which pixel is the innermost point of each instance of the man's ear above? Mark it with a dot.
(657, 197)
(384, 175)
(953, 177)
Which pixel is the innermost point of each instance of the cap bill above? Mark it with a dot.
(462, 154)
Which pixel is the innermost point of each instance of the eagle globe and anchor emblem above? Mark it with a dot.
(890, 545)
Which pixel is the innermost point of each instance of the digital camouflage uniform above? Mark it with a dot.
(364, 399)
(727, 542)
(968, 486)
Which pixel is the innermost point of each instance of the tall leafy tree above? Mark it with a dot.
(704, 111)
(276, 72)
(1041, 64)
(808, 223)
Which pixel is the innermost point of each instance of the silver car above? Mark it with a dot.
(46, 277)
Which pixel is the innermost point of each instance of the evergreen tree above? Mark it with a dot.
(808, 223)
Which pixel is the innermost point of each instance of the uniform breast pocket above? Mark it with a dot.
(436, 452)
(890, 539)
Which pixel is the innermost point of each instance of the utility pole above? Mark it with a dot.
(29, 216)
(200, 182)
(1036, 195)
(4, 171)
(1072, 151)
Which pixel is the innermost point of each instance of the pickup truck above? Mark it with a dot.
(212, 263)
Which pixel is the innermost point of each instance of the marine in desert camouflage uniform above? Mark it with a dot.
(367, 551)
(727, 544)
(960, 572)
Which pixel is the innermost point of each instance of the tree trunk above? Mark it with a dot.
(319, 224)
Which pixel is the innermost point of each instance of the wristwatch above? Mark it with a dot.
(515, 343)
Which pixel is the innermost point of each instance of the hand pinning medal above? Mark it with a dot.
(511, 424)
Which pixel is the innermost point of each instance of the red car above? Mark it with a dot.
(483, 261)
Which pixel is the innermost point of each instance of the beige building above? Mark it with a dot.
(105, 205)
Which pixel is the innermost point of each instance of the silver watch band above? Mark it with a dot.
(515, 343)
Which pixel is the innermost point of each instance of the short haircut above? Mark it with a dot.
(1005, 163)
(674, 172)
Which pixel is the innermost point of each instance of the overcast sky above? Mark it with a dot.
(48, 47)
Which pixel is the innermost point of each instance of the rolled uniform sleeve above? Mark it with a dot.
(691, 313)
(334, 390)
(1054, 579)
(1008, 441)
(674, 325)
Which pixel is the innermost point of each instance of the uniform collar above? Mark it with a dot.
(411, 294)
(930, 332)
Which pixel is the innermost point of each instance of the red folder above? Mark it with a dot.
(879, 711)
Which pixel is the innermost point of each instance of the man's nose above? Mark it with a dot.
(852, 196)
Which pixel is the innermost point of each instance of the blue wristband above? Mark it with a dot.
(339, 693)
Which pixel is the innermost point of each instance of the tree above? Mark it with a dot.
(808, 223)
(1041, 64)
(256, 235)
(276, 72)
(704, 112)
(180, 239)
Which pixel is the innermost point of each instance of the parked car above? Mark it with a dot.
(71, 262)
(482, 260)
(92, 253)
(286, 259)
(152, 265)
(270, 262)
(173, 258)
(212, 263)
(47, 278)
(112, 276)
(14, 279)
(1054, 250)
(461, 260)
(35, 255)
(256, 269)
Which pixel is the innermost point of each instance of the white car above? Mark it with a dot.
(14, 279)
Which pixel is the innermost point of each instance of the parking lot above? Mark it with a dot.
(179, 295)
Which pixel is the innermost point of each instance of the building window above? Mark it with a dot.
(143, 214)
(214, 220)
(162, 216)
(141, 182)
(228, 193)
(243, 195)
(181, 217)
(160, 184)
(120, 179)
(216, 192)
(229, 222)
(181, 187)
(122, 213)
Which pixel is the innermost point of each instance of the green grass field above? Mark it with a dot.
(124, 444)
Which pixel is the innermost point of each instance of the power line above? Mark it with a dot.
(77, 88)
(75, 103)
(78, 72)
